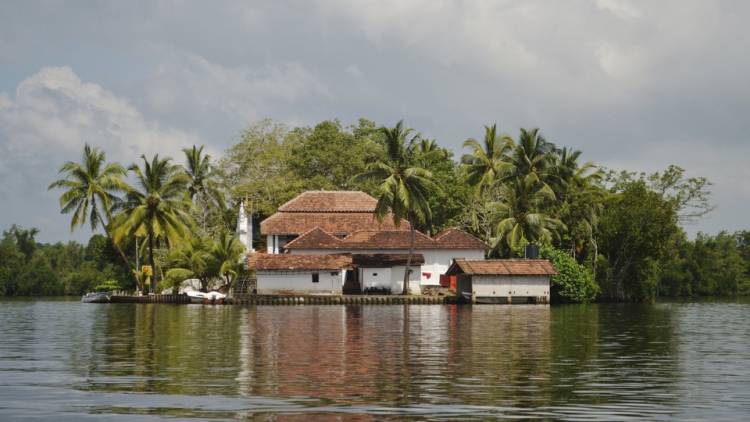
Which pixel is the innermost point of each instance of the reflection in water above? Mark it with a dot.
(594, 362)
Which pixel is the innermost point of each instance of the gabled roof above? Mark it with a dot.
(336, 212)
(459, 239)
(331, 201)
(385, 239)
(295, 223)
(316, 238)
(287, 262)
(503, 267)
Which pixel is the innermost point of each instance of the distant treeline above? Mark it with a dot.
(616, 235)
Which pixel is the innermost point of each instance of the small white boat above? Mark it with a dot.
(96, 297)
(200, 297)
(195, 296)
(214, 295)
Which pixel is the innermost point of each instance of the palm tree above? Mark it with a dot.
(404, 186)
(198, 170)
(202, 186)
(532, 155)
(226, 257)
(91, 189)
(520, 214)
(157, 209)
(488, 162)
(191, 260)
(578, 188)
(565, 172)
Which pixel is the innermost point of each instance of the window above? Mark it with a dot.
(315, 277)
(334, 273)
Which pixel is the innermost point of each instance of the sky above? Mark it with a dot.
(635, 85)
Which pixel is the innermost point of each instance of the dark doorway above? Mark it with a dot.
(351, 283)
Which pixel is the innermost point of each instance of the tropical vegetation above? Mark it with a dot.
(614, 235)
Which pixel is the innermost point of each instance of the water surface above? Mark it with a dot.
(74, 361)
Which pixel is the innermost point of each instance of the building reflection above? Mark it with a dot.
(318, 356)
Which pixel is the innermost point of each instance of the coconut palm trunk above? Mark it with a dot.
(405, 290)
(151, 261)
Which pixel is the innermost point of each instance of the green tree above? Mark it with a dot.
(489, 161)
(574, 282)
(326, 156)
(202, 186)
(156, 208)
(636, 229)
(258, 169)
(191, 260)
(404, 187)
(226, 258)
(91, 189)
(520, 215)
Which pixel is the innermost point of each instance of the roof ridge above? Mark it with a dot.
(309, 232)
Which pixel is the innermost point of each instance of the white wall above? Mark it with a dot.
(271, 282)
(436, 261)
(503, 286)
(397, 280)
(376, 277)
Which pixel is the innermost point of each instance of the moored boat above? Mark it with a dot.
(96, 297)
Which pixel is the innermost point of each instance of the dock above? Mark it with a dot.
(255, 300)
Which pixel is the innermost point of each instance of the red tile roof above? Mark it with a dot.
(331, 201)
(295, 223)
(385, 239)
(336, 212)
(287, 262)
(503, 267)
(459, 239)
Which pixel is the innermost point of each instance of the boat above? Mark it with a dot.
(195, 296)
(210, 297)
(96, 297)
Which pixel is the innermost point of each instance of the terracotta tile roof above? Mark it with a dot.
(459, 239)
(385, 239)
(316, 238)
(503, 267)
(385, 260)
(287, 262)
(331, 201)
(295, 223)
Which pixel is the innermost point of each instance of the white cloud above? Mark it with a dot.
(621, 8)
(47, 122)
(189, 83)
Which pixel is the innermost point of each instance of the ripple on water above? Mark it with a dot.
(597, 362)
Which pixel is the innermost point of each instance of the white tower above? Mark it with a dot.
(245, 228)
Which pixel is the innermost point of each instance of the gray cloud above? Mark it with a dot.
(633, 84)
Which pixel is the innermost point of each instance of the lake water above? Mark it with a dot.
(74, 361)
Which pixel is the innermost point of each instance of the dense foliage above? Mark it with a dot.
(574, 282)
(615, 235)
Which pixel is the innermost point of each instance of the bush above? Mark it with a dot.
(574, 282)
(108, 286)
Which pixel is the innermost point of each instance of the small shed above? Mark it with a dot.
(503, 280)
(300, 274)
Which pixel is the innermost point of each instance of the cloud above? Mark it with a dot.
(46, 123)
(636, 84)
(191, 84)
